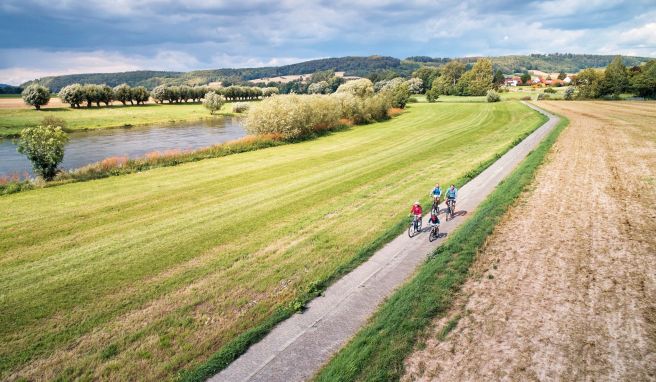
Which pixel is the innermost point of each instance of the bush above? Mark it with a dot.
(36, 95)
(526, 98)
(213, 101)
(240, 107)
(569, 93)
(413, 100)
(550, 90)
(294, 116)
(359, 88)
(493, 96)
(44, 147)
(543, 96)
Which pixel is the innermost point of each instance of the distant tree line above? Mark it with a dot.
(454, 79)
(617, 79)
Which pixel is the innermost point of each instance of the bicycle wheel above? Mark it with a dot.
(411, 230)
(435, 232)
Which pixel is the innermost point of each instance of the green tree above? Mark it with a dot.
(481, 78)
(643, 82)
(616, 78)
(44, 147)
(106, 94)
(398, 92)
(427, 75)
(123, 93)
(446, 82)
(140, 95)
(589, 84)
(526, 78)
(72, 94)
(159, 94)
(498, 79)
(213, 101)
(36, 95)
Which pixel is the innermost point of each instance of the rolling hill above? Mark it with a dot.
(352, 66)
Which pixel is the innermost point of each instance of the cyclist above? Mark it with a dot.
(434, 220)
(451, 194)
(436, 193)
(416, 211)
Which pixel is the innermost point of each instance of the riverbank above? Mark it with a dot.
(13, 120)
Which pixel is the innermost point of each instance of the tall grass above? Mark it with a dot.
(377, 351)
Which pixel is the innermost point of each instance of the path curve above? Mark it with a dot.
(297, 347)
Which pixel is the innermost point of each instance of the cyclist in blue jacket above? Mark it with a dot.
(451, 194)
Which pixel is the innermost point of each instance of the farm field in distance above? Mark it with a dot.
(564, 288)
(142, 275)
(14, 118)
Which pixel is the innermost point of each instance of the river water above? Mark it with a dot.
(93, 146)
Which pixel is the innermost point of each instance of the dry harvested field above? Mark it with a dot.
(17, 103)
(565, 289)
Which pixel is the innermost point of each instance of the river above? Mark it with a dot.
(92, 146)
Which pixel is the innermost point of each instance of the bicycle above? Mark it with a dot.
(415, 226)
(434, 232)
(450, 208)
(436, 205)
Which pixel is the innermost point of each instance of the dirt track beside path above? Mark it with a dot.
(565, 289)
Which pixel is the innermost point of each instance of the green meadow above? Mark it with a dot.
(13, 120)
(141, 276)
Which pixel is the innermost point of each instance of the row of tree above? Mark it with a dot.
(183, 93)
(76, 94)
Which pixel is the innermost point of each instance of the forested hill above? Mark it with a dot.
(554, 62)
(354, 66)
(372, 66)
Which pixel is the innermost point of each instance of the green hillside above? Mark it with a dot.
(354, 66)
(554, 62)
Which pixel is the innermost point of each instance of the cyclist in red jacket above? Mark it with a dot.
(416, 211)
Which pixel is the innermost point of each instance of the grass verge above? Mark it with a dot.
(378, 350)
(240, 345)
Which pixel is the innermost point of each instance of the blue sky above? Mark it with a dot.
(46, 37)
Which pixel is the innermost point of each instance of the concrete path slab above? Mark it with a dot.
(296, 348)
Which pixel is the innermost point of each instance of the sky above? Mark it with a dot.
(49, 37)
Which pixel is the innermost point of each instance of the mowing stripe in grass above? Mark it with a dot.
(237, 347)
(377, 352)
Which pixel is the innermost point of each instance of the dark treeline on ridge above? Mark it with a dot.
(373, 67)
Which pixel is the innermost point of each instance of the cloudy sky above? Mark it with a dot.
(45, 37)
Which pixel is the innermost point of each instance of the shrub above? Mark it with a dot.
(493, 96)
(44, 147)
(550, 90)
(543, 96)
(569, 93)
(240, 107)
(213, 101)
(413, 100)
(294, 116)
(375, 108)
(526, 98)
(359, 88)
(50, 120)
(36, 95)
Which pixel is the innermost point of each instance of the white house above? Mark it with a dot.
(567, 80)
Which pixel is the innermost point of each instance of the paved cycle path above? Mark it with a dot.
(297, 347)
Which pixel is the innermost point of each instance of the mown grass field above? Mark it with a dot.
(13, 120)
(143, 275)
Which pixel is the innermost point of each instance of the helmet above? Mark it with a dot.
(416, 203)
